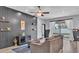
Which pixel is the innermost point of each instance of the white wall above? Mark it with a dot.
(39, 28)
(52, 28)
(76, 23)
(71, 24)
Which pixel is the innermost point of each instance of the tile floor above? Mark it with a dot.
(8, 50)
(68, 47)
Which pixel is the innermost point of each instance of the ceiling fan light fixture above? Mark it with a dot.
(39, 13)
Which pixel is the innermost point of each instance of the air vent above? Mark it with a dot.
(65, 19)
(62, 19)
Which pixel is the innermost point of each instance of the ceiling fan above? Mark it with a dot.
(40, 12)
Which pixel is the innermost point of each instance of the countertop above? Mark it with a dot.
(42, 41)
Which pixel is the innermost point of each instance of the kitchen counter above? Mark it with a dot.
(51, 45)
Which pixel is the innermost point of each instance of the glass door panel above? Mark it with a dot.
(62, 28)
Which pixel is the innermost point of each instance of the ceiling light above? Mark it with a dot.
(3, 18)
(2, 29)
(19, 14)
(8, 28)
(39, 13)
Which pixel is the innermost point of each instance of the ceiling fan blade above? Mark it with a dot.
(45, 12)
(42, 14)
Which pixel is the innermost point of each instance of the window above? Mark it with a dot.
(22, 25)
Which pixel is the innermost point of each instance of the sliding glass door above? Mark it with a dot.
(62, 28)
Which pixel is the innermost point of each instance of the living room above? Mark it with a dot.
(39, 29)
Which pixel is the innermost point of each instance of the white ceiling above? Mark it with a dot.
(55, 11)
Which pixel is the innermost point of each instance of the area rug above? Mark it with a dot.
(22, 49)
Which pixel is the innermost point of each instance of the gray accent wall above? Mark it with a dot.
(6, 38)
